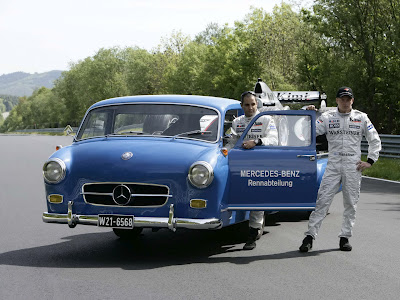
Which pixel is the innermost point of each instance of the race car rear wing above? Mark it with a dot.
(269, 100)
(299, 96)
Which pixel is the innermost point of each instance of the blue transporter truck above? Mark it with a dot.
(161, 162)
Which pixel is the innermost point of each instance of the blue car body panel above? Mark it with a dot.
(274, 177)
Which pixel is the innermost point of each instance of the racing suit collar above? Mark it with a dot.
(343, 114)
(251, 118)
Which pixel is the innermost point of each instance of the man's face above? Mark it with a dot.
(345, 104)
(249, 105)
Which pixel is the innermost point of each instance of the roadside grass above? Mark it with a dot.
(385, 168)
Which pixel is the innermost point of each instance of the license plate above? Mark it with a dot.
(115, 221)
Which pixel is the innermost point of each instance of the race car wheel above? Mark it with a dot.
(128, 234)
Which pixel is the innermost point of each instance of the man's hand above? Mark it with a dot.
(311, 107)
(249, 144)
(362, 165)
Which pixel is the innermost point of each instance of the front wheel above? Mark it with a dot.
(128, 234)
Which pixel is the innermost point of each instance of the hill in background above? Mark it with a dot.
(23, 84)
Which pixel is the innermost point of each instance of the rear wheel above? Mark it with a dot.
(128, 234)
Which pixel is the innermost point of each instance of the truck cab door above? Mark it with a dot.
(276, 177)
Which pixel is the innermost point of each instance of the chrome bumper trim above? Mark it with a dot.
(268, 208)
(169, 222)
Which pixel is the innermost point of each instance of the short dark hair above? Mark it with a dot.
(245, 94)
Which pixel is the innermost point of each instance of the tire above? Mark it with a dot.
(128, 234)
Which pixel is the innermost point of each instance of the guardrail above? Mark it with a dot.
(390, 146)
(390, 143)
(50, 130)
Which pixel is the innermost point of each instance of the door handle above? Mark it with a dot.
(311, 157)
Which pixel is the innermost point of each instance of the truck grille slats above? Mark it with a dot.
(125, 194)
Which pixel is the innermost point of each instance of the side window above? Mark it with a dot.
(282, 130)
(229, 117)
(96, 125)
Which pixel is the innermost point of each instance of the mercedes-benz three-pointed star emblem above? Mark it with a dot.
(121, 194)
(126, 155)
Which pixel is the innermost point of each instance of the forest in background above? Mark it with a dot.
(7, 103)
(336, 43)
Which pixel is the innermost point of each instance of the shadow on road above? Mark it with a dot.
(148, 251)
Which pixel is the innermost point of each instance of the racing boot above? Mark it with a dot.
(251, 239)
(344, 244)
(307, 244)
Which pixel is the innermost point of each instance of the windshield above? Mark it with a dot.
(165, 120)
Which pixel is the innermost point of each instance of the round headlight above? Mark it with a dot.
(54, 170)
(201, 174)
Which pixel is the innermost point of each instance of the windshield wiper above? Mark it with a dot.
(124, 133)
(190, 133)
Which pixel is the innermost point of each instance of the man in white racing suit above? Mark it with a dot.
(263, 132)
(344, 129)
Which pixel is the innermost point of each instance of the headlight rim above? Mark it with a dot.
(63, 170)
(210, 174)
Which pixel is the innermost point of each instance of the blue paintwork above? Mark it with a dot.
(166, 161)
(222, 104)
(289, 181)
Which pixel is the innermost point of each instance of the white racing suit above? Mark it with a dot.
(265, 130)
(344, 132)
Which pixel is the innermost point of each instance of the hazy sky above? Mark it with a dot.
(43, 35)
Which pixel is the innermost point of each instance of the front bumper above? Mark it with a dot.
(170, 222)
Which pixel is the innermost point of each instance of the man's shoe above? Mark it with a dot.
(251, 239)
(250, 245)
(307, 244)
(344, 244)
(260, 233)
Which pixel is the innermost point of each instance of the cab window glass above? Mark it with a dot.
(170, 120)
(292, 130)
(96, 125)
(230, 115)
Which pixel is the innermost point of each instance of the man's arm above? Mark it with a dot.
(374, 145)
(320, 126)
(234, 136)
(270, 134)
(374, 141)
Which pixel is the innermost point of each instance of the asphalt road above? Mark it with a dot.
(52, 261)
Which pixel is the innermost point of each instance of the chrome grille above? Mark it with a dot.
(133, 194)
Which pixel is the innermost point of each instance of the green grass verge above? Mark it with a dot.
(385, 168)
(37, 133)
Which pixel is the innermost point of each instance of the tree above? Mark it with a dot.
(93, 79)
(139, 72)
(361, 41)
